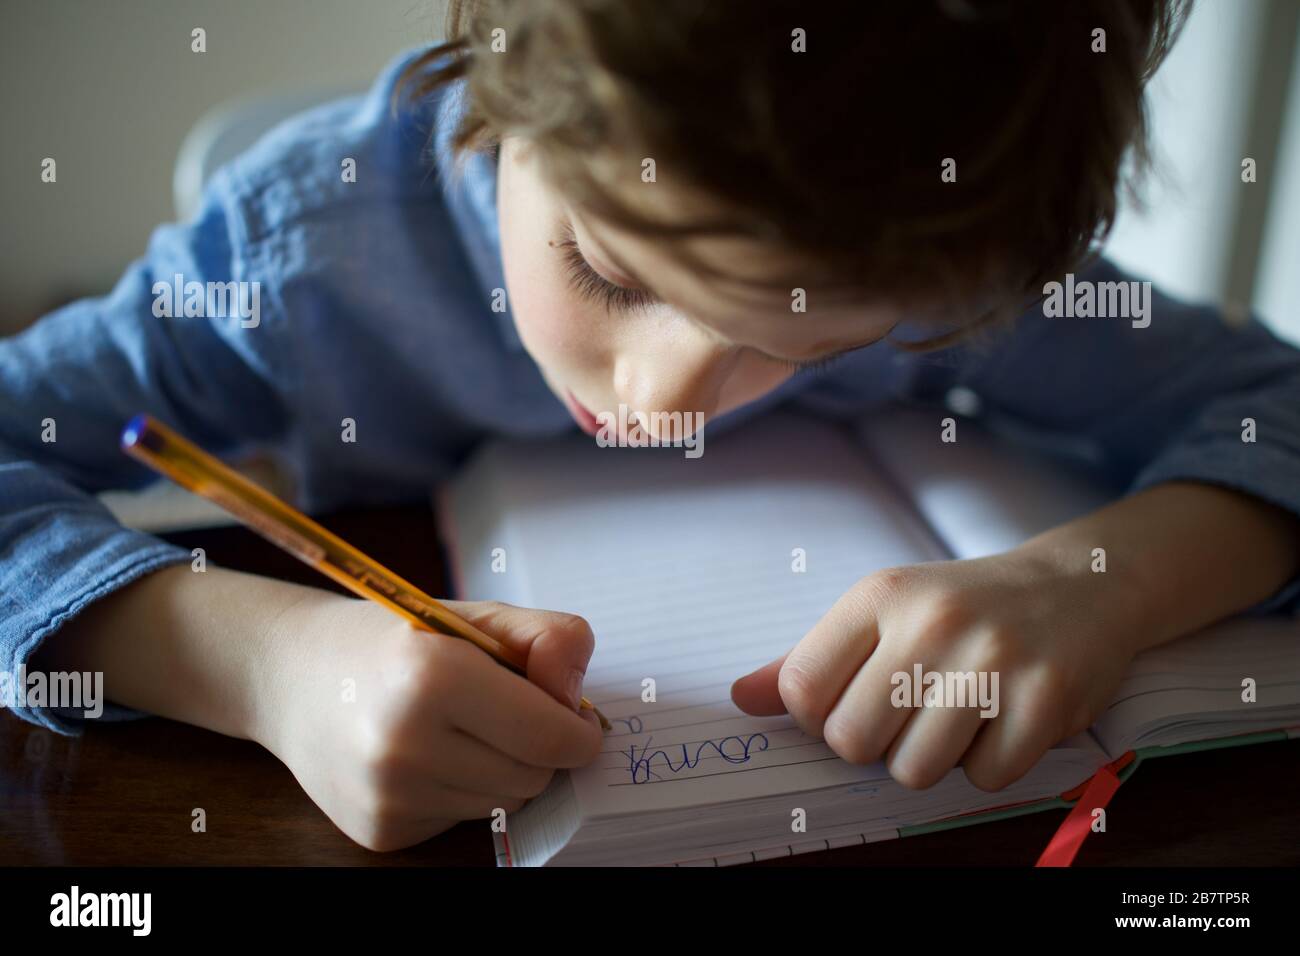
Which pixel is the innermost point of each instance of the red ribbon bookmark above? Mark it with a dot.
(1076, 827)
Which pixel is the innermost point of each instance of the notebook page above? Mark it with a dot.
(980, 494)
(1191, 689)
(686, 571)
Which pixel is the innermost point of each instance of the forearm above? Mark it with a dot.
(195, 647)
(1182, 555)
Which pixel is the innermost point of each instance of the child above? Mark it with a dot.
(681, 206)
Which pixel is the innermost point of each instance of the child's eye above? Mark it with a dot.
(590, 284)
(810, 365)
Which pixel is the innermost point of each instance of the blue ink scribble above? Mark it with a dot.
(639, 766)
(633, 724)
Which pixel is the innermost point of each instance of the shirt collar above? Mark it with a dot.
(471, 198)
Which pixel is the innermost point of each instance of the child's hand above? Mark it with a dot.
(397, 734)
(1060, 640)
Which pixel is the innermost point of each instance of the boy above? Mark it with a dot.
(649, 187)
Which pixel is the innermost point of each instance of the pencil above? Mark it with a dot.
(150, 441)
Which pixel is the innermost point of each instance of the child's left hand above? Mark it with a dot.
(1060, 638)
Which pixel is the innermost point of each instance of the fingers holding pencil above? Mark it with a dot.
(531, 729)
(154, 444)
(557, 646)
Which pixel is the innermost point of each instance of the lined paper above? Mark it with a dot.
(1191, 689)
(702, 592)
(980, 494)
(686, 570)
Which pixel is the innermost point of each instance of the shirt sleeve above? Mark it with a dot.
(67, 387)
(335, 321)
(1175, 394)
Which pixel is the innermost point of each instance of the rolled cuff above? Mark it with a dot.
(143, 555)
(1266, 472)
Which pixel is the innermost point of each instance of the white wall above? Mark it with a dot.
(1199, 105)
(109, 90)
(1277, 292)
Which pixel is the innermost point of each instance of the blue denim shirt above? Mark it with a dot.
(375, 305)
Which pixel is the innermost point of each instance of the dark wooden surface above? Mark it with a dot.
(122, 793)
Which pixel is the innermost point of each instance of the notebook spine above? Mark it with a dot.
(793, 849)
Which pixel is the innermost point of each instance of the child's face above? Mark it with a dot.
(702, 348)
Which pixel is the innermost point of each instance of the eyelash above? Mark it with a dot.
(590, 284)
(815, 366)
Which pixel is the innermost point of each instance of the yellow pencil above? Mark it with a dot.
(153, 443)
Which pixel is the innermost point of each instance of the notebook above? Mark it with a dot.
(695, 571)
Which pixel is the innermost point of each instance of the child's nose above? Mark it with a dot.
(672, 378)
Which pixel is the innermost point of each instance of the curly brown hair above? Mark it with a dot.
(833, 153)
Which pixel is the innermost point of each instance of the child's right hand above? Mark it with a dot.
(397, 733)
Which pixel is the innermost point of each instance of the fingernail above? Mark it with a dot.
(574, 687)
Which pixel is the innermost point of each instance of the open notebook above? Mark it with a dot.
(684, 567)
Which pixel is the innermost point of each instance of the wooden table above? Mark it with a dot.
(122, 793)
